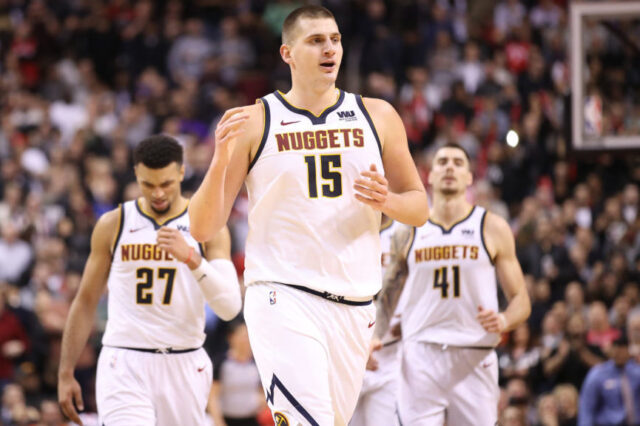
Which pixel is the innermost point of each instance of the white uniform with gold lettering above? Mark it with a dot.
(154, 304)
(312, 258)
(449, 367)
(377, 400)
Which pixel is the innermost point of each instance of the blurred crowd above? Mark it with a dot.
(82, 81)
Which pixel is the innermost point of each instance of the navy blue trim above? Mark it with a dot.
(201, 247)
(276, 382)
(392, 342)
(156, 225)
(315, 119)
(360, 103)
(159, 350)
(265, 133)
(398, 415)
(484, 244)
(330, 296)
(119, 234)
(448, 231)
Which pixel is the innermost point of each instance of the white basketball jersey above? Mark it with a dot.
(305, 225)
(154, 300)
(450, 275)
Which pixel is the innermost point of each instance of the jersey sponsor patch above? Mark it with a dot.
(280, 419)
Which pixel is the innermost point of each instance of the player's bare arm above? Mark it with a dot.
(81, 315)
(215, 273)
(394, 279)
(213, 407)
(501, 245)
(237, 137)
(399, 193)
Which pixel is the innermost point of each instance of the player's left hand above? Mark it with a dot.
(172, 241)
(491, 321)
(372, 188)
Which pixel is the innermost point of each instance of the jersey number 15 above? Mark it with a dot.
(327, 172)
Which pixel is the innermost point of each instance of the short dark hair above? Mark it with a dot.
(309, 11)
(158, 151)
(456, 146)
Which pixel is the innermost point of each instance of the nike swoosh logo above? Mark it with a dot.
(286, 123)
(200, 369)
(371, 323)
(136, 229)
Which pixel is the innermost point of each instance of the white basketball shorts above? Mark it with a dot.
(377, 400)
(311, 353)
(143, 388)
(441, 382)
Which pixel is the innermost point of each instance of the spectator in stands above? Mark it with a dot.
(573, 358)
(236, 394)
(599, 332)
(611, 392)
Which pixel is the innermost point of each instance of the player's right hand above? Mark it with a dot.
(227, 131)
(69, 392)
(372, 362)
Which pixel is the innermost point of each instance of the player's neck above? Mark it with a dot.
(176, 208)
(450, 210)
(311, 98)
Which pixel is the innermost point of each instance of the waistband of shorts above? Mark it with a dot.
(330, 296)
(158, 350)
(445, 346)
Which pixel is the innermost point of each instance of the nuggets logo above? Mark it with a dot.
(280, 419)
(272, 297)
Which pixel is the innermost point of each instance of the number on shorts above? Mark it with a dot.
(144, 295)
(440, 280)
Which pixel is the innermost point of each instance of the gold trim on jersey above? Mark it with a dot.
(311, 112)
(445, 230)
(385, 226)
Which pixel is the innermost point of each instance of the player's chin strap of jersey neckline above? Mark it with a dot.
(330, 296)
(158, 350)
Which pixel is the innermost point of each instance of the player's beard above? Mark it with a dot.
(448, 192)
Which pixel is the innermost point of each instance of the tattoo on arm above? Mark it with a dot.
(393, 281)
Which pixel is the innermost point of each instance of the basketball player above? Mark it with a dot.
(152, 369)
(320, 165)
(377, 400)
(450, 321)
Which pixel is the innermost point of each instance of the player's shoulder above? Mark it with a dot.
(110, 219)
(498, 235)
(377, 106)
(496, 224)
(106, 227)
(256, 109)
